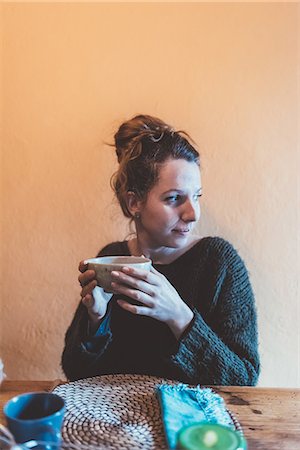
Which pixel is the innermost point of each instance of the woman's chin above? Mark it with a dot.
(180, 239)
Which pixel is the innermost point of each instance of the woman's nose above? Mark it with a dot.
(190, 212)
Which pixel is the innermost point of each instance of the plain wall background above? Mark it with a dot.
(71, 73)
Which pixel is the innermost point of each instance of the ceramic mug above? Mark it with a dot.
(35, 416)
(103, 266)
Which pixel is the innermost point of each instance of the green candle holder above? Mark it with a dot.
(208, 436)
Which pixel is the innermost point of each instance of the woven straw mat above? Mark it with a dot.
(113, 412)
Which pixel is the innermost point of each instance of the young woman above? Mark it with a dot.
(196, 319)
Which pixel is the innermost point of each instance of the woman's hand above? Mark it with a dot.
(94, 298)
(158, 297)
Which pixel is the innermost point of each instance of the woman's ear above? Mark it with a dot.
(133, 204)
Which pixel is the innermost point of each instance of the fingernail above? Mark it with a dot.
(114, 273)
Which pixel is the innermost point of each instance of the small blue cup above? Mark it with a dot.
(35, 416)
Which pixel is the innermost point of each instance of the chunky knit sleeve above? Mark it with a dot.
(78, 360)
(222, 348)
(82, 353)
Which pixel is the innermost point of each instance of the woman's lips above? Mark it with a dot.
(185, 231)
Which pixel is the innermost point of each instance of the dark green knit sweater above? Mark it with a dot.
(218, 348)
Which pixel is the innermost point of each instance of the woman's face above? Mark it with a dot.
(172, 206)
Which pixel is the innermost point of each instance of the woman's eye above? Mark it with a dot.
(196, 197)
(178, 198)
(173, 198)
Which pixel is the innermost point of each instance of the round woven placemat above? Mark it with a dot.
(114, 412)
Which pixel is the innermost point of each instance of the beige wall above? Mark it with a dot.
(227, 73)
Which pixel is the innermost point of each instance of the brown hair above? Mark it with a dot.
(142, 144)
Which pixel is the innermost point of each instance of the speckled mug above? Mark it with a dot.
(104, 265)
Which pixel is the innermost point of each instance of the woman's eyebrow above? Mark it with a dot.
(180, 191)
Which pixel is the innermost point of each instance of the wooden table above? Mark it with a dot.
(270, 417)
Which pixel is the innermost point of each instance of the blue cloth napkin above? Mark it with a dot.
(182, 405)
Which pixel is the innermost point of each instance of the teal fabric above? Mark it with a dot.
(182, 405)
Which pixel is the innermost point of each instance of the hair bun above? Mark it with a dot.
(130, 135)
